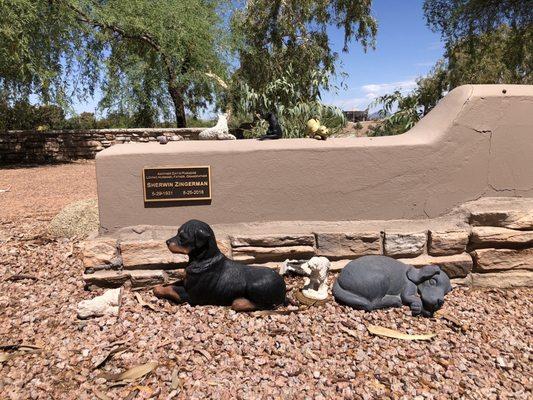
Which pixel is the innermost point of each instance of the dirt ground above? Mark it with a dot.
(350, 130)
(481, 351)
(42, 191)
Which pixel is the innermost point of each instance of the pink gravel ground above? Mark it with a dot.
(217, 353)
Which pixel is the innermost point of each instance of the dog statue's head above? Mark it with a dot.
(432, 284)
(193, 238)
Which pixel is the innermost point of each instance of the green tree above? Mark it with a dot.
(150, 57)
(276, 36)
(286, 58)
(292, 106)
(38, 49)
(459, 19)
(159, 51)
(486, 42)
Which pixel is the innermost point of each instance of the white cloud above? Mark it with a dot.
(355, 103)
(369, 92)
(435, 46)
(424, 64)
(379, 89)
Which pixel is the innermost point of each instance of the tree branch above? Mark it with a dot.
(144, 37)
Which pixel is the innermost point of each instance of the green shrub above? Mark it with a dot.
(292, 108)
(195, 122)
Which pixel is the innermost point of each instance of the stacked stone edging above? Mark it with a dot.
(68, 145)
(488, 242)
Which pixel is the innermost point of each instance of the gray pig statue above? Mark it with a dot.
(373, 282)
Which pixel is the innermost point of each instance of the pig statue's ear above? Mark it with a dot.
(419, 275)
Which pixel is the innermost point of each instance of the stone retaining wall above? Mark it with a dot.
(488, 242)
(60, 146)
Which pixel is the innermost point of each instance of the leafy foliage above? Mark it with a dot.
(407, 113)
(458, 19)
(501, 56)
(275, 36)
(486, 42)
(40, 53)
(154, 59)
(150, 57)
(161, 60)
(286, 59)
(23, 115)
(292, 106)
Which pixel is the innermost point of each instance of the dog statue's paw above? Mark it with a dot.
(426, 313)
(416, 307)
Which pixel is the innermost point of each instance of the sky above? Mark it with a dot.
(405, 49)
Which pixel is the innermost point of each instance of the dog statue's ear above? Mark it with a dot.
(419, 275)
(200, 238)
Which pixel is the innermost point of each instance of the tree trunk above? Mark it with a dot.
(179, 106)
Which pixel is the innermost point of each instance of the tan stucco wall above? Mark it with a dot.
(477, 142)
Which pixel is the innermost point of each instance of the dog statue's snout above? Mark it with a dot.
(168, 242)
(434, 304)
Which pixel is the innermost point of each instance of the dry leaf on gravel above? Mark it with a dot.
(132, 394)
(116, 343)
(312, 355)
(21, 347)
(20, 277)
(392, 333)
(131, 374)
(5, 357)
(166, 343)
(100, 395)
(452, 319)
(349, 331)
(138, 371)
(143, 303)
(175, 380)
(108, 356)
(205, 353)
(145, 389)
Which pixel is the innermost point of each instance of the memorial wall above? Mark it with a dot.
(478, 142)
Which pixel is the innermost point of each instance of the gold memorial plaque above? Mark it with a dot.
(176, 184)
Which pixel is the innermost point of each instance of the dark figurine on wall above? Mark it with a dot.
(212, 278)
(373, 282)
(274, 129)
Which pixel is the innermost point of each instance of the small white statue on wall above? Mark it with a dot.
(218, 132)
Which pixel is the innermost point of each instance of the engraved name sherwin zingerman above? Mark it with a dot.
(174, 184)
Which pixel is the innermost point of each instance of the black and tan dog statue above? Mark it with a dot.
(373, 282)
(212, 278)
